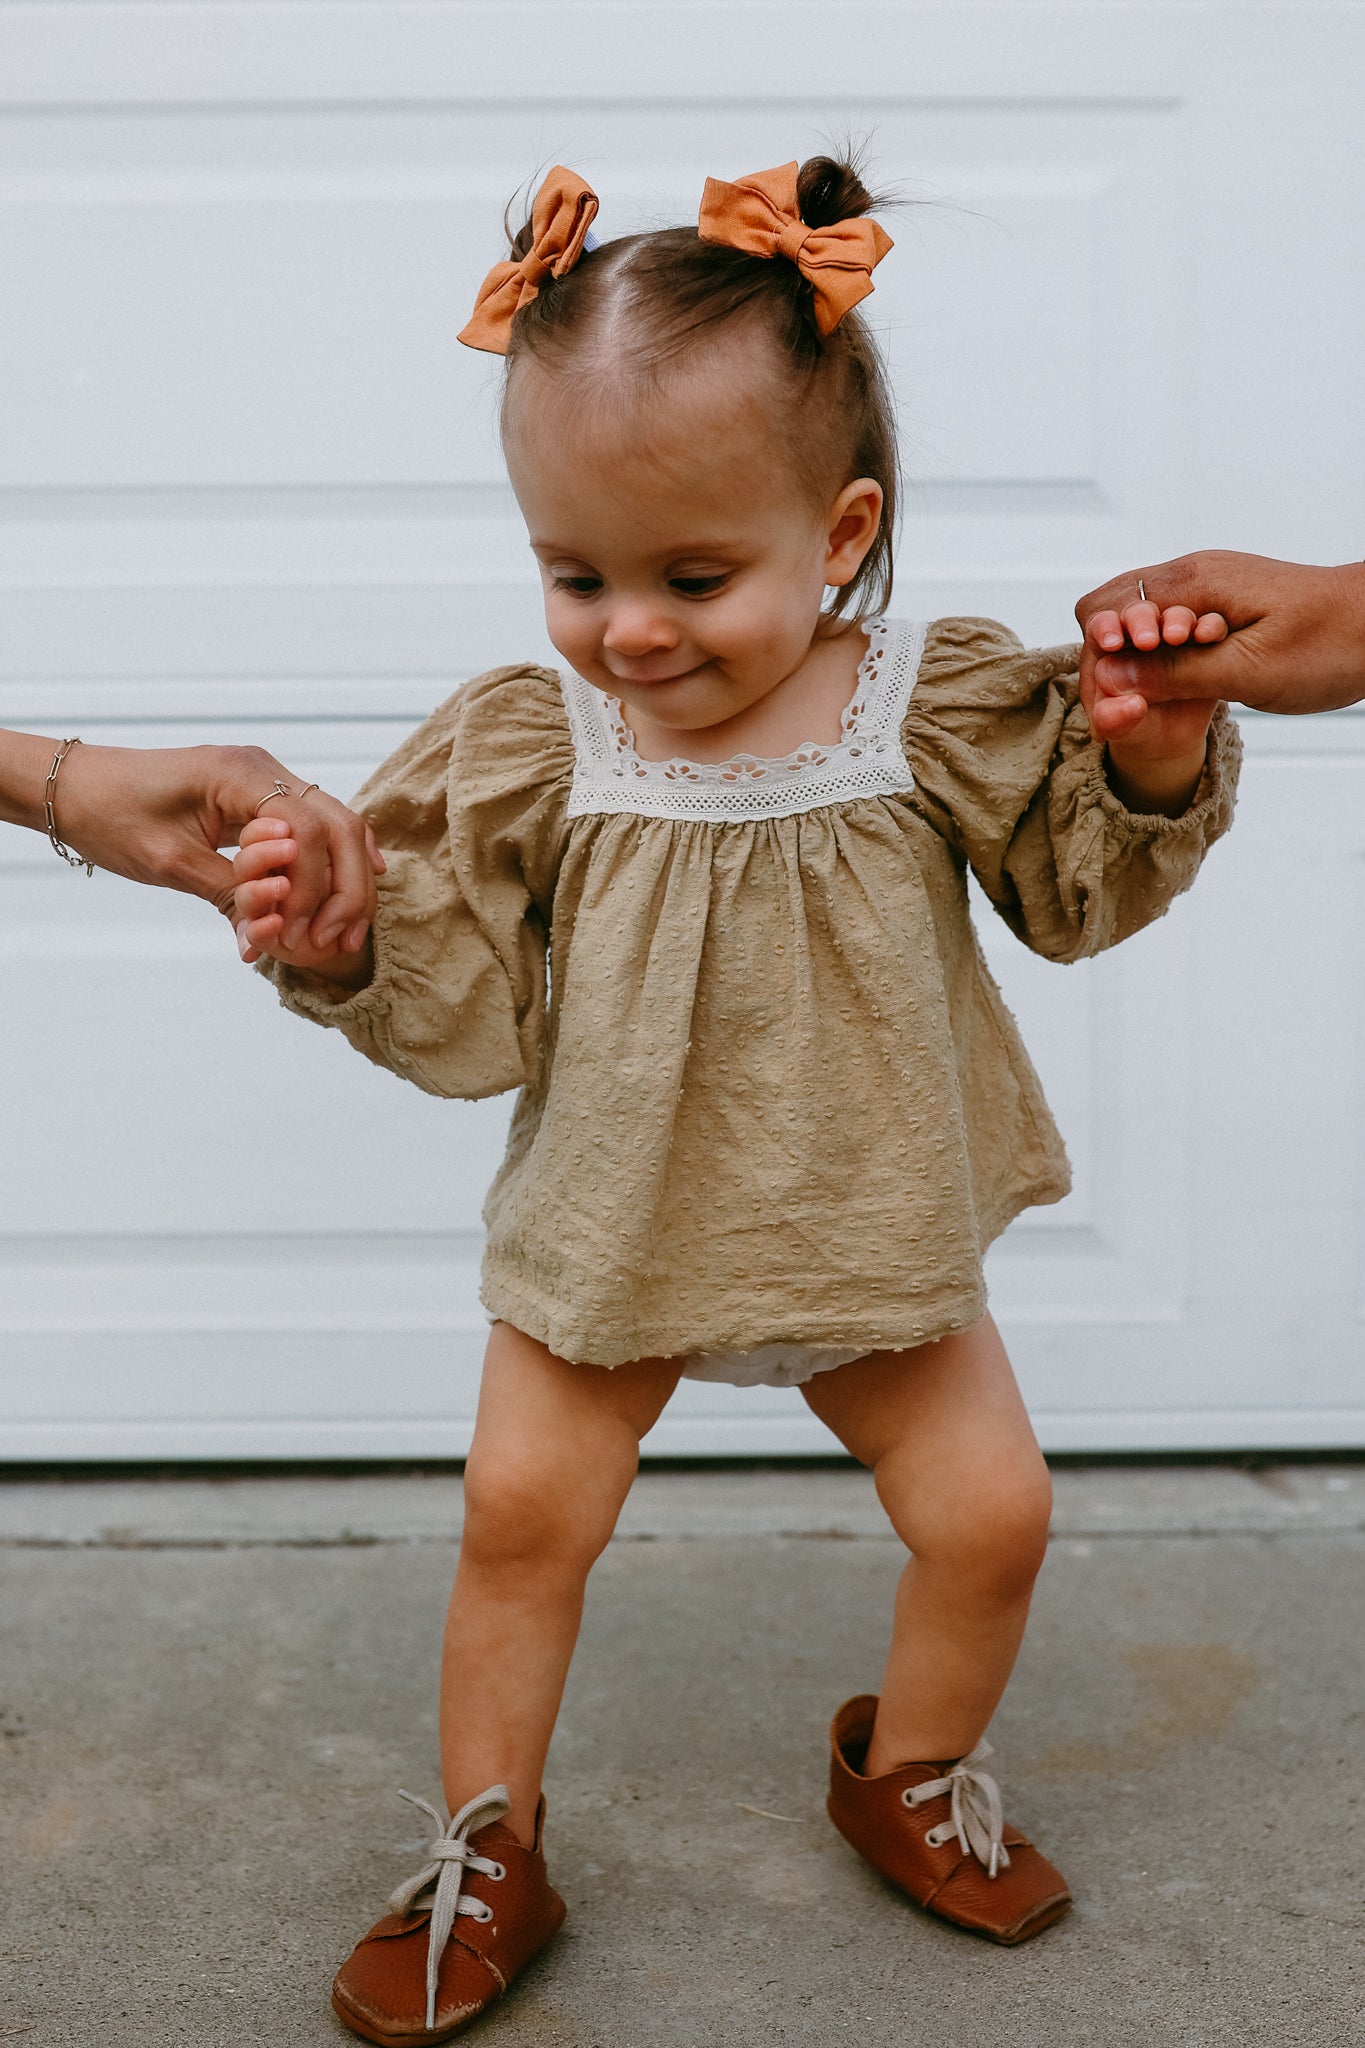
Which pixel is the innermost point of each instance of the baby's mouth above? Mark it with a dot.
(649, 682)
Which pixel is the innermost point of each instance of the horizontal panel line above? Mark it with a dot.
(19, 502)
(760, 94)
(225, 1247)
(1017, 497)
(261, 704)
(382, 1439)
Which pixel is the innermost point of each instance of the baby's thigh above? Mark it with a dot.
(945, 1430)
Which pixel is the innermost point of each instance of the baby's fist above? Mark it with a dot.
(262, 869)
(1145, 627)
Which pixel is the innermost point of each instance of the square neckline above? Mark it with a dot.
(610, 775)
(742, 763)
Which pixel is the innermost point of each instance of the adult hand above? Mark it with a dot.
(1296, 640)
(159, 815)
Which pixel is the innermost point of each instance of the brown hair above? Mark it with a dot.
(645, 302)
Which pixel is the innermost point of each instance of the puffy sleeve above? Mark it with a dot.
(469, 814)
(1007, 772)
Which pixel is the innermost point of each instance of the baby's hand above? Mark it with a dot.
(1155, 751)
(266, 853)
(1145, 627)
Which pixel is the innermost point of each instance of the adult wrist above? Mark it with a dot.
(25, 758)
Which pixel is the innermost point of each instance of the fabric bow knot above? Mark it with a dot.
(760, 216)
(451, 1856)
(977, 1816)
(563, 212)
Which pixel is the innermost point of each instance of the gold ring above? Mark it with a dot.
(279, 789)
(1142, 590)
(306, 787)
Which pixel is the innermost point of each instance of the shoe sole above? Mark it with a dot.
(369, 2031)
(1045, 1916)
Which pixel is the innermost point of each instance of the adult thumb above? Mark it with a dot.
(201, 872)
(1168, 673)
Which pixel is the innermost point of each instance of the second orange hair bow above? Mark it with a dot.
(760, 215)
(560, 218)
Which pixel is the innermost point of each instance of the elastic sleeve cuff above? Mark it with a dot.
(313, 996)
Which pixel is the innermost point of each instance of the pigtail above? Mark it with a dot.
(519, 240)
(830, 189)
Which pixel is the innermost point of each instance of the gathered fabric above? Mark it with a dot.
(760, 215)
(978, 1815)
(564, 209)
(769, 1094)
(451, 1856)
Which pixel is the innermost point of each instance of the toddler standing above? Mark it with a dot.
(700, 895)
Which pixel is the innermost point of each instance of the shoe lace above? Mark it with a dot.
(451, 1856)
(977, 1816)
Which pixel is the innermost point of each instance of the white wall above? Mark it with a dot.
(248, 486)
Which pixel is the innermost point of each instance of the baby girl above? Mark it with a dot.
(700, 895)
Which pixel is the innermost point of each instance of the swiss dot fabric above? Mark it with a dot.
(769, 1093)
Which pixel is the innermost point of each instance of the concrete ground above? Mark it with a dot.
(210, 1689)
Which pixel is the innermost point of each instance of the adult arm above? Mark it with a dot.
(160, 814)
(1296, 640)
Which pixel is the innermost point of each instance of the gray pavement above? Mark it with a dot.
(210, 1689)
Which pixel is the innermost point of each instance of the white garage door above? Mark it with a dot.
(248, 488)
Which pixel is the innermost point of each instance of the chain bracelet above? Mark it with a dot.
(73, 860)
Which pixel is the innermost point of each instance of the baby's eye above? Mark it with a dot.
(579, 586)
(698, 586)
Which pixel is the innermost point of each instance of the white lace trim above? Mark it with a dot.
(609, 775)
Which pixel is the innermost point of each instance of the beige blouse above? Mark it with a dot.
(769, 1093)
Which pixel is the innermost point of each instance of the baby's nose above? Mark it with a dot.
(633, 630)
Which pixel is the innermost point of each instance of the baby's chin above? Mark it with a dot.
(677, 708)
(696, 698)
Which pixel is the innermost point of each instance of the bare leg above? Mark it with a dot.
(959, 1472)
(555, 1449)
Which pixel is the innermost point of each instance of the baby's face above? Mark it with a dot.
(683, 564)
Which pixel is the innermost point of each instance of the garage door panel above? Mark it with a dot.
(249, 487)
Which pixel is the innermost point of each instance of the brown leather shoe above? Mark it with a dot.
(413, 1979)
(937, 1831)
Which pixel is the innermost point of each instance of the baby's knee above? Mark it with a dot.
(990, 1526)
(1003, 1533)
(1016, 1518)
(523, 1507)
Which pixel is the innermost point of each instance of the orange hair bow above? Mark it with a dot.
(760, 215)
(560, 218)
